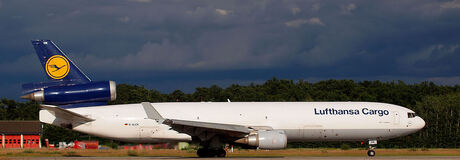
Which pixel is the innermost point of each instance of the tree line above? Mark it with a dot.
(438, 105)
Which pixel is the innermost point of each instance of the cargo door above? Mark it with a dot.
(312, 132)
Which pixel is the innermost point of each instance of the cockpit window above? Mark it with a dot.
(411, 115)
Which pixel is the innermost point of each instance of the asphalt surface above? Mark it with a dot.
(241, 158)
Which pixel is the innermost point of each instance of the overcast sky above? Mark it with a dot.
(170, 44)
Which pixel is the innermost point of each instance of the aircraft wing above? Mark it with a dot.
(202, 129)
(66, 114)
(195, 128)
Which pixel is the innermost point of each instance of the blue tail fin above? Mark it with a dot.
(67, 86)
(57, 66)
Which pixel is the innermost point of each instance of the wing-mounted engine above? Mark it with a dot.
(102, 91)
(271, 139)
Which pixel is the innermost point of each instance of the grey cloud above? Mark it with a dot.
(124, 19)
(23, 65)
(232, 32)
(141, 1)
(316, 7)
(348, 9)
(223, 12)
(432, 59)
(454, 80)
(295, 10)
(413, 38)
(300, 22)
(152, 56)
(450, 4)
(211, 51)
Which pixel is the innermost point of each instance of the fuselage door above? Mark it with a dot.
(396, 118)
(147, 132)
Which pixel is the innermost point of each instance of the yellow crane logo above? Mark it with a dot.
(57, 67)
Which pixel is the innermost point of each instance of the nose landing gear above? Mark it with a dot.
(370, 151)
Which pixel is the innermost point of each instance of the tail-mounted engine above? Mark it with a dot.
(103, 91)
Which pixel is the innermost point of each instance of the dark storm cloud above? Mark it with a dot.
(149, 42)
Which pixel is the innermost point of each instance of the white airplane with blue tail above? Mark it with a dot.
(71, 100)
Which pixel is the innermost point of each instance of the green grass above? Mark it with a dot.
(28, 151)
(70, 154)
(133, 153)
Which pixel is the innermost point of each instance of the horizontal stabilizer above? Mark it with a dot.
(66, 114)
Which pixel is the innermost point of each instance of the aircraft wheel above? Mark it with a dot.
(221, 152)
(371, 153)
(202, 152)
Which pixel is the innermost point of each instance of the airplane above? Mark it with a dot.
(71, 100)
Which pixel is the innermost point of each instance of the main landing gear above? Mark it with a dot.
(212, 148)
(370, 151)
(211, 152)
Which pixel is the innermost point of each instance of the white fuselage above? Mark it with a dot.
(301, 121)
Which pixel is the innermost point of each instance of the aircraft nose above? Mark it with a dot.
(421, 123)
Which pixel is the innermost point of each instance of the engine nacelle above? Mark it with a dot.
(102, 91)
(274, 139)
